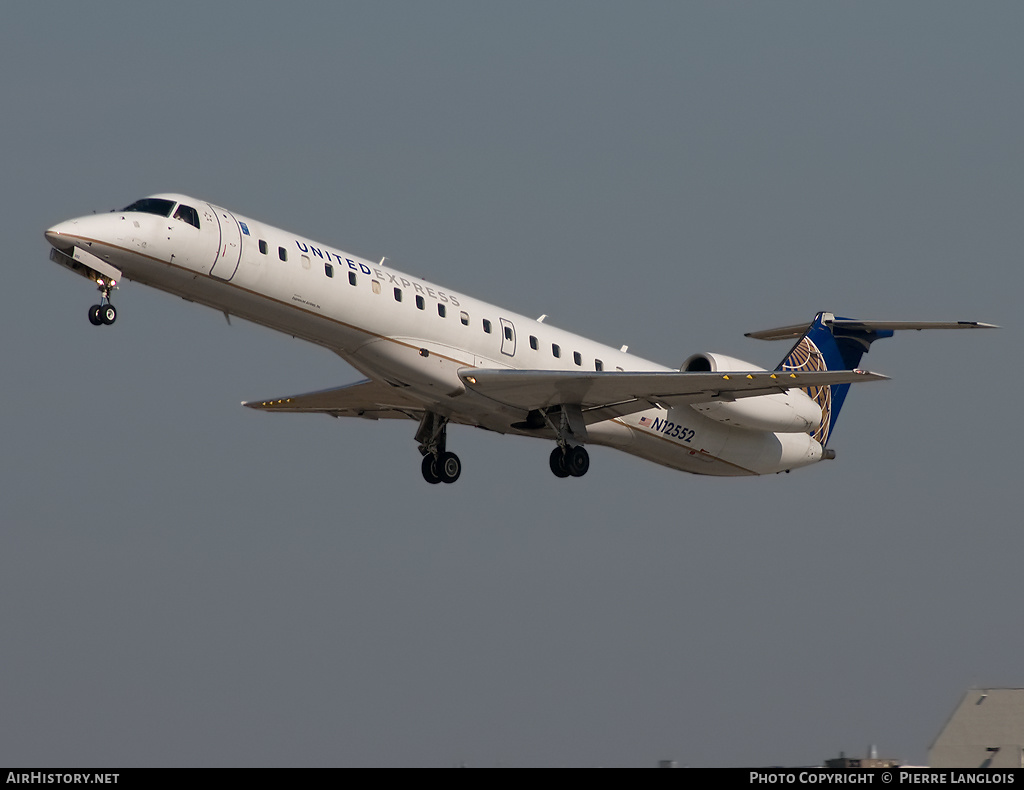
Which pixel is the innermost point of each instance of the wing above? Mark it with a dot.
(606, 394)
(368, 399)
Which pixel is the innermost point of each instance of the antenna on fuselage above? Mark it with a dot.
(382, 261)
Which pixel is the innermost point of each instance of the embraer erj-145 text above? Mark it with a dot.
(436, 356)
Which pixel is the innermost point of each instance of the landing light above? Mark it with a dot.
(471, 380)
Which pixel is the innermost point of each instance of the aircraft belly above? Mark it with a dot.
(427, 368)
(610, 433)
(653, 447)
(767, 453)
(154, 273)
(685, 440)
(130, 263)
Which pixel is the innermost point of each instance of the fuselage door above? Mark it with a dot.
(229, 251)
(508, 337)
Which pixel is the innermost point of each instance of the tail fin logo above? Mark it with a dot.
(806, 356)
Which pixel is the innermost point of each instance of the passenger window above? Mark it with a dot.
(487, 326)
(419, 303)
(375, 286)
(398, 294)
(187, 214)
(533, 343)
(555, 350)
(282, 253)
(508, 333)
(351, 278)
(464, 317)
(577, 358)
(328, 270)
(441, 311)
(263, 247)
(598, 365)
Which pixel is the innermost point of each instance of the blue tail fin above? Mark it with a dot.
(829, 345)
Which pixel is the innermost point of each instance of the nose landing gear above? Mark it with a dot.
(103, 313)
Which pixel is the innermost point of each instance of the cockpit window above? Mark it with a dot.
(158, 206)
(187, 214)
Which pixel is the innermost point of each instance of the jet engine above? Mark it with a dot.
(792, 411)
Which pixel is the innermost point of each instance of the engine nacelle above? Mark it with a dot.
(712, 363)
(792, 411)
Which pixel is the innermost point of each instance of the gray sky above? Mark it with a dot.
(186, 582)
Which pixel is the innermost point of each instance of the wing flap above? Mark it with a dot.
(617, 393)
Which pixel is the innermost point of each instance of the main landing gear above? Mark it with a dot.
(570, 461)
(570, 458)
(103, 313)
(445, 469)
(439, 466)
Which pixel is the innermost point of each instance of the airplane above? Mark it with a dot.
(437, 356)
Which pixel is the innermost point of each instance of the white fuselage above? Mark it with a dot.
(403, 330)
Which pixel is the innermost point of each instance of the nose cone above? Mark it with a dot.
(90, 232)
(60, 235)
(83, 245)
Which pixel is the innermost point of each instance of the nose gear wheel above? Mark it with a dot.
(104, 312)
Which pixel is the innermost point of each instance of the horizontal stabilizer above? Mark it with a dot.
(540, 389)
(834, 343)
(798, 330)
